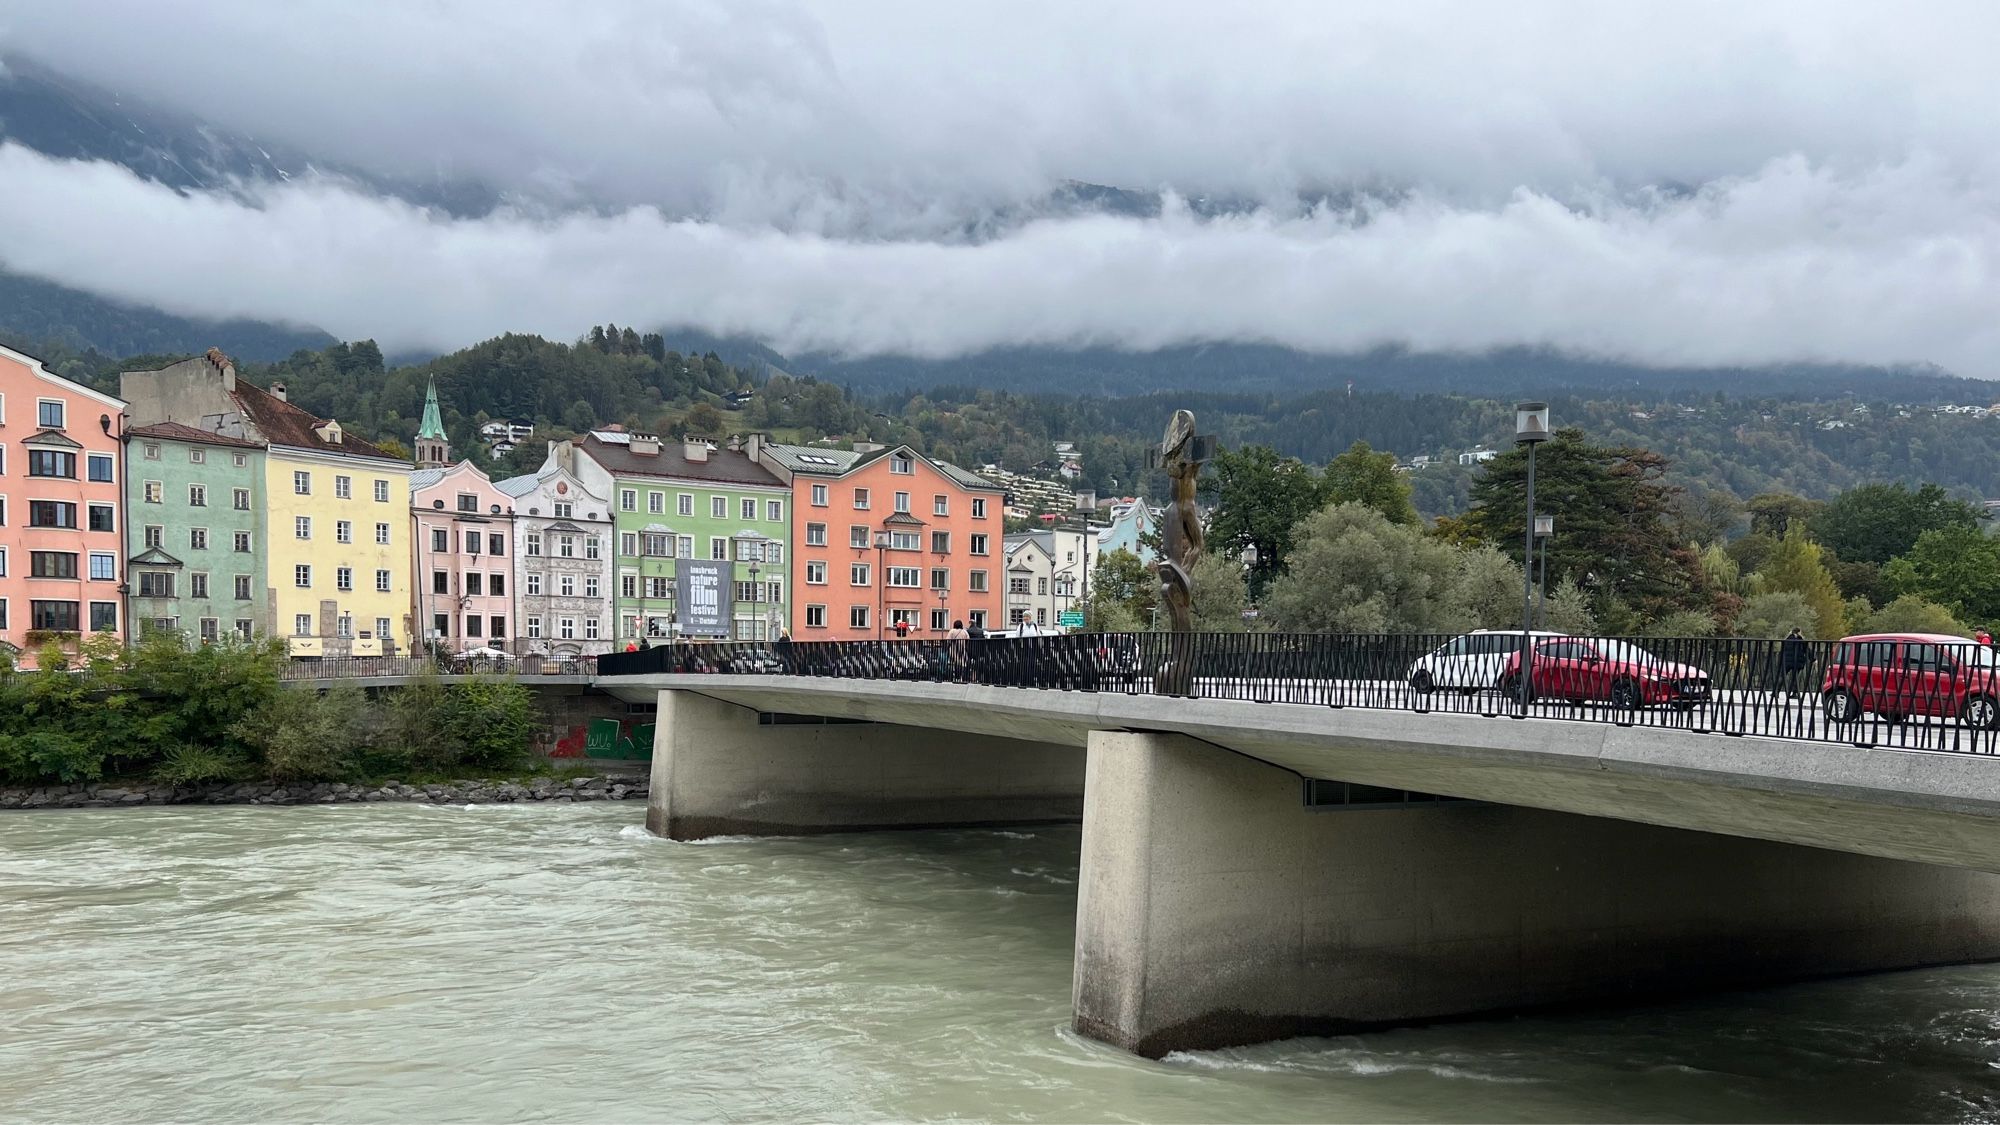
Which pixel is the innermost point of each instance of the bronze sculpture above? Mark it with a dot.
(1181, 454)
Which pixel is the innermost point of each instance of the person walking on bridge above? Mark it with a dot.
(1793, 656)
(956, 642)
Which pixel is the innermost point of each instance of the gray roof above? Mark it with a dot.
(520, 486)
(813, 459)
(424, 478)
(723, 466)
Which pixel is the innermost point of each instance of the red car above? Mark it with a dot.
(1593, 669)
(1897, 675)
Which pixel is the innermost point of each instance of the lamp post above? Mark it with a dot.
(944, 606)
(1531, 428)
(881, 577)
(1545, 529)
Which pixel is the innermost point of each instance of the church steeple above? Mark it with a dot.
(433, 448)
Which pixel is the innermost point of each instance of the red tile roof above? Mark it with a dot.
(174, 431)
(281, 423)
(723, 466)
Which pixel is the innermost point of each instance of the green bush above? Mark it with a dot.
(308, 735)
(192, 764)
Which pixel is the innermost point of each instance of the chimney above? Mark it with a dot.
(695, 449)
(735, 444)
(867, 446)
(278, 392)
(645, 445)
(753, 446)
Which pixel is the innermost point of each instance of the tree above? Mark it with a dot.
(1911, 614)
(1957, 567)
(705, 420)
(1776, 614)
(1122, 594)
(1796, 565)
(1706, 518)
(1353, 571)
(1877, 522)
(1220, 594)
(1683, 623)
(1772, 513)
(1366, 477)
(1260, 498)
(1568, 610)
(1490, 587)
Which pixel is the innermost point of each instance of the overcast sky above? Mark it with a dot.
(1672, 183)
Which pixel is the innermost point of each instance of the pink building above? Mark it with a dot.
(61, 464)
(464, 546)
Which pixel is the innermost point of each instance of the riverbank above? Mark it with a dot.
(564, 789)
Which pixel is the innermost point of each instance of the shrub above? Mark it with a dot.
(306, 735)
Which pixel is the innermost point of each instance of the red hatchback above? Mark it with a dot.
(1897, 675)
(1594, 669)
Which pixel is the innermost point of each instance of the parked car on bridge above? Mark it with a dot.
(1600, 670)
(1898, 675)
(1471, 663)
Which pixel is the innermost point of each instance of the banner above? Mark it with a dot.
(699, 589)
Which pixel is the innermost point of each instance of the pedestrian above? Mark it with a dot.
(784, 647)
(631, 646)
(1793, 656)
(955, 643)
(975, 646)
(1983, 637)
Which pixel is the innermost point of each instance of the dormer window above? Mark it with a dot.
(901, 465)
(329, 433)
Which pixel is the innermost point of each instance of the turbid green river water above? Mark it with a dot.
(554, 963)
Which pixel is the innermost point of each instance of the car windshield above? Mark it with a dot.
(1625, 653)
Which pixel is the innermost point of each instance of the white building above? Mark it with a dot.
(562, 565)
(1048, 573)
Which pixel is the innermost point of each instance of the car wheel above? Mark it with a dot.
(1625, 695)
(1840, 706)
(1420, 681)
(1981, 712)
(1510, 686)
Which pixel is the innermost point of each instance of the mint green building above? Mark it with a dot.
(700, 540)
(195, 533)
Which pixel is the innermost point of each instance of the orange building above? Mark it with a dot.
(883, 536)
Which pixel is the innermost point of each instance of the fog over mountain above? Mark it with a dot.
(1704, 184)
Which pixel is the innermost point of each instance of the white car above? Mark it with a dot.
(1469, 663)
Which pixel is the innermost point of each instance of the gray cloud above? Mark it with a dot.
(807, 176)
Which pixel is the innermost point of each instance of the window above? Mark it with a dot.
(197, 496)
(592, 587)
(815, 535)
(746, 592)
(976, 617)
(1017, 585)
(440, 624)
(496, 544)
(819, 501)
(382, 534)
(940, 578)
(242, 587)
(245, 629)
(343, 531)
(774, 592)
(239, 499)
(857, 574)
(58, 616)
(979, 507)
(156, 584)
(857, 617)
(749, 510)
(51, 463)
(471, 542)
(905, 576)
(343, 578)
(382, 492)
(659, 588)
(628, 544)
(903, 502)
(302, 576)
(302, 527)
(343, 488)
(659, 545)
(903, 540)
(496, 584)
(1042, 587)
(243, 541)
(718, 507)
(628, 499)
(103, 567)
(975, 581)
(51, 513)
(472, 625)
(197, 539)
(901, 465)
(103, 517)
(100, 467)
(565, 546)
(590, 627)
(718, 548)
(857, 535)
(3, 567)
(940, 505)
(197, 585)
(382, 581)
(686, 550)
(566, 628)
(535, 627)
(440, 540)
(937, 621)
(628, 585)
(815, 574)
(302, 483)
(49, 414)
(774, 511)
(302, 625)
(52, 564)
(861, 498)
(239, 459)
(197, 456)
(815, 617)
(978, 544)
(566, 585)
(209, 633)
(154, 492)
(774, 553)
(684, 504)
(496, 626)
(467, 502)
(940, 542)
(156, 535)
(534, 544)
(534, 584)
(591, 550)
(440, 582)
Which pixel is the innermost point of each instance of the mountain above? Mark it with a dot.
(35, 312)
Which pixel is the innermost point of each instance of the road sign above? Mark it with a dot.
(1070, 619)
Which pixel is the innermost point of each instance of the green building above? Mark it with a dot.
(700, 535)
(195, 533)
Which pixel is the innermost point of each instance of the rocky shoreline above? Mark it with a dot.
(556, 790)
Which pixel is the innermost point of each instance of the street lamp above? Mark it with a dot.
(1531, 428)
(882, 540)
(1545, 529)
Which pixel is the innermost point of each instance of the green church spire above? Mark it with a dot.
(433, 426)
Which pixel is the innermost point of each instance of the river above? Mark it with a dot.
(555, 963)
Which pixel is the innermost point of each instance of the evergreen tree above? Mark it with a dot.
(1260, 498)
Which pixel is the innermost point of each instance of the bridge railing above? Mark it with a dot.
(362, 667)
(1938, 695)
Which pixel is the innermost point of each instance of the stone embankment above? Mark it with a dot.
(557, 790)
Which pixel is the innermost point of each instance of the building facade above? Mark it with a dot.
(1131, 523)
(701, 535)
(61, 467)
(887, 536)
(462, 546)
(1028, 573)
(1048, 573)
(195, 533)
(337, 566)
(562, 564)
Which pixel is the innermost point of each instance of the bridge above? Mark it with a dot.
(1309, 837)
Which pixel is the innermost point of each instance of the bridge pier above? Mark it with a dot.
(1216, 909)
(720, 769)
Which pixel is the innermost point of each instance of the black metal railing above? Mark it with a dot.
(1915, 694)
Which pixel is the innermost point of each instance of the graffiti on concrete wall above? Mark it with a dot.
(606, 738)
